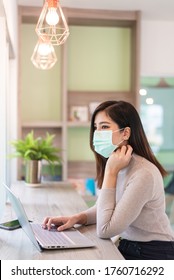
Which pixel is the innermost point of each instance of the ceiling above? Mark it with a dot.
(150, 9)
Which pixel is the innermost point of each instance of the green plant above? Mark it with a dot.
(31, 148)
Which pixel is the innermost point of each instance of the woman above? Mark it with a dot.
(131, 201)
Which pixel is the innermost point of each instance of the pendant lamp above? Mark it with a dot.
(44, 56)
(52, 23)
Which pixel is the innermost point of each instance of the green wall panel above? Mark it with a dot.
(40, 89)
(78, 144)
(99, 58)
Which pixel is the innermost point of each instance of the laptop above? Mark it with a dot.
(47, 239)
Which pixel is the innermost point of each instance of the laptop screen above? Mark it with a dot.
(22, 217)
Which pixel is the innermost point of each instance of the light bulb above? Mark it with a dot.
(149, 101)
(44, 49)
(52, 17)
(143, 91)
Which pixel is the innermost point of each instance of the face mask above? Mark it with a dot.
(102, 142)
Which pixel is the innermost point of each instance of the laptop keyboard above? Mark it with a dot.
(50, 237)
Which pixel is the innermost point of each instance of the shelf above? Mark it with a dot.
(81, 169)
(79, 124)
(84, 98)
(42, 124)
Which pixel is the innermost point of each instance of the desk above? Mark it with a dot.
(51, 199)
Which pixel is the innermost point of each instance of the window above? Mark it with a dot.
(3, 97)
(157, 114)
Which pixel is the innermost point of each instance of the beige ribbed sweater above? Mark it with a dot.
(135, 210)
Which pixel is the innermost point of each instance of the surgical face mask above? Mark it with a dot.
(102, 142)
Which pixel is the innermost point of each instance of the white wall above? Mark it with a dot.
(8, 91)
(10, 8)
(157, 48)
(3, 57)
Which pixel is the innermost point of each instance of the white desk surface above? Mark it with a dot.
(51, 199)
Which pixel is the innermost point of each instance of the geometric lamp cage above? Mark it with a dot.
(52, 24)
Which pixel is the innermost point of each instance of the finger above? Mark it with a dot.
(129, 150)
(65, 226)
(62, 227)
(123, 150)
(51, 221)
(126, 149)
(128, 154)
(45, 221)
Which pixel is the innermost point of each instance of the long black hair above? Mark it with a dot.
(125, 115)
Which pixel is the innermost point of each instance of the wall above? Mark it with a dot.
(3, 55)
(38, 86)
(8, 91)
(157, 45)
(9, 66)
(98, 59)
(10, 8)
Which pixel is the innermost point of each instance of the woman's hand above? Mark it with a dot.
(64, 222)
(119, 159)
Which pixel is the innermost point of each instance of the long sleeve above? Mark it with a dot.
(91, 215)
(136, 208)
(113, 218)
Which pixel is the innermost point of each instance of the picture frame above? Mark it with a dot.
(79, 113)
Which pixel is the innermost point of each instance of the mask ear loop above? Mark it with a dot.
(118, 129)
(121, 140)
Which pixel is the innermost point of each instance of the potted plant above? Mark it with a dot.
(33, 150)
